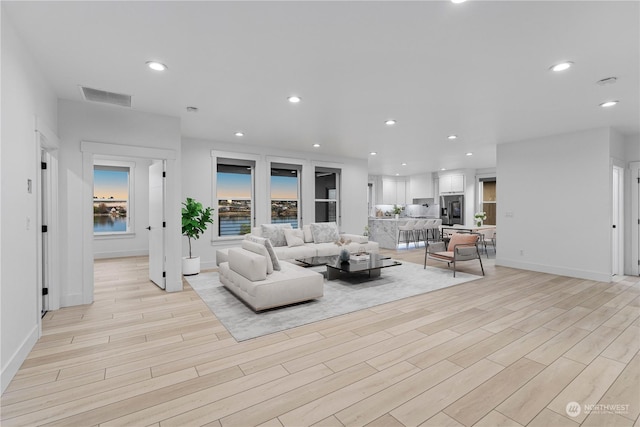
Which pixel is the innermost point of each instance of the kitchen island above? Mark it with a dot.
(384, 230)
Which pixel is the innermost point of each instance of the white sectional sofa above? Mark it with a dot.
(250, 275)
(308, 247)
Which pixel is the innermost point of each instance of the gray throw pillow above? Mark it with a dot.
(275, 233)
(324, 232)
(267, 244)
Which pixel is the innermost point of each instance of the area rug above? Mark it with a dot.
(340, 297)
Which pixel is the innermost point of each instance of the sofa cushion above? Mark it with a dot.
(249, 265)
(355, 238)
(325, 232)
(461, 239)
(275, 233)
(294, 237)
(267, 244)
(307, 250)
(308, 236)
(259, 249)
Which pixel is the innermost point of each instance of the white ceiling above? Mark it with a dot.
(478, 69)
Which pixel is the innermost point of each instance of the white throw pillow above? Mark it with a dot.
(275, 233)
(325, 232)
(267, 244)
(294, 237)
(308, 236)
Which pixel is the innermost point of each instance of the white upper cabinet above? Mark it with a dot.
(394, 191)
(451, 184)
(419, 187)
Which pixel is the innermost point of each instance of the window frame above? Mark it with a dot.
(231, 156)
(338, 171)
(298, 167)
(130, 231)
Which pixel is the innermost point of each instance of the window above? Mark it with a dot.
(234, 192)
(285, 194)
(112, 184)
(327, 194)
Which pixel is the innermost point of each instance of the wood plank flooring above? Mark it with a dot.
(513, 349)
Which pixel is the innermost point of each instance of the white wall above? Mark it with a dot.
(198, 177)
(25, 95)
(136, 244)
(630, 152)
(84, 121)
(554, 204)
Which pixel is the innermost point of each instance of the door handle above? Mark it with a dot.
(149, 228)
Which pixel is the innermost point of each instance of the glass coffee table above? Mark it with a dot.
(335, 267)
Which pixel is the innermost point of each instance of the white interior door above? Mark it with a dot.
(156, 224)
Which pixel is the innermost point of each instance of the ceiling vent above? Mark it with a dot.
(105, 97)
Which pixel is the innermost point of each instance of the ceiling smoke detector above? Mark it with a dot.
(607, 81)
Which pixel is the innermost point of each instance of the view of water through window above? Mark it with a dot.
(110, 199)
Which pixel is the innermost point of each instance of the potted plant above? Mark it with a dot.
(396, 211)
(195, 219)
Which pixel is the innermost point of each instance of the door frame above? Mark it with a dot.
(617, 219)
(46, 140)
(635, 217)
(173, 244)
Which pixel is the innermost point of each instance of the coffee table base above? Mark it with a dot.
(334, 273)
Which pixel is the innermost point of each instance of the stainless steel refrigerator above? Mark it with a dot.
(452, 209)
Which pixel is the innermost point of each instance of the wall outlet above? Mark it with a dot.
(521, 252)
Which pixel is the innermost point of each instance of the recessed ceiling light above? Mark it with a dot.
(452, 137)
(397, 174)
(469, 154)
(562, 66)
(458, 1)
(373, 153)
(156, 66)
(608, 104)
(316, 145)
(239, 133)
(443, 169)
(294, 99)
(192, 109)
(404, 164)
(390, 122)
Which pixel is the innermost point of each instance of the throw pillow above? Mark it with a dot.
(294, 237)
(325, 232)
(461, 238)
(308, 236)
(259, 249)
(275, 233)
(267, 244)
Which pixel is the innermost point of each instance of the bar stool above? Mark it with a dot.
(407, 231)
(418, 230)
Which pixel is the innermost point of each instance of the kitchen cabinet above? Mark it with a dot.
(451, 184)
(419, 187)
(394, 191)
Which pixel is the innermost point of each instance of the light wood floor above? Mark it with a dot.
(511, 349)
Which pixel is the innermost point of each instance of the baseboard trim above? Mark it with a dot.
(560, 271)
(11, 368)
(120, 254)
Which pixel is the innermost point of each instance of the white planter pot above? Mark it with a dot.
(190, 266)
